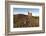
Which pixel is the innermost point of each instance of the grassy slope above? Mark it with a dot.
(35, 22)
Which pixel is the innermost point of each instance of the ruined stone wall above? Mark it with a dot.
(29, 19)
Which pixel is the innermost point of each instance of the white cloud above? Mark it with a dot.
(35, 14)
(25, 13)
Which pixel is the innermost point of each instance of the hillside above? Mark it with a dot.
(21, 20)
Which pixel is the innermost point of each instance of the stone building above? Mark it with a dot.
(29, 21)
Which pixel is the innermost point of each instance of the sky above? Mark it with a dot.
(34, 11)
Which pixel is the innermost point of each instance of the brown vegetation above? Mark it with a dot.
(21, 20)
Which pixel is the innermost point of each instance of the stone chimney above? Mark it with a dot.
(29, 14)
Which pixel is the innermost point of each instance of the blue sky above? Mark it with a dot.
(34, 11)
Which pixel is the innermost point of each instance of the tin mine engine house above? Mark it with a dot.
(21, 20)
